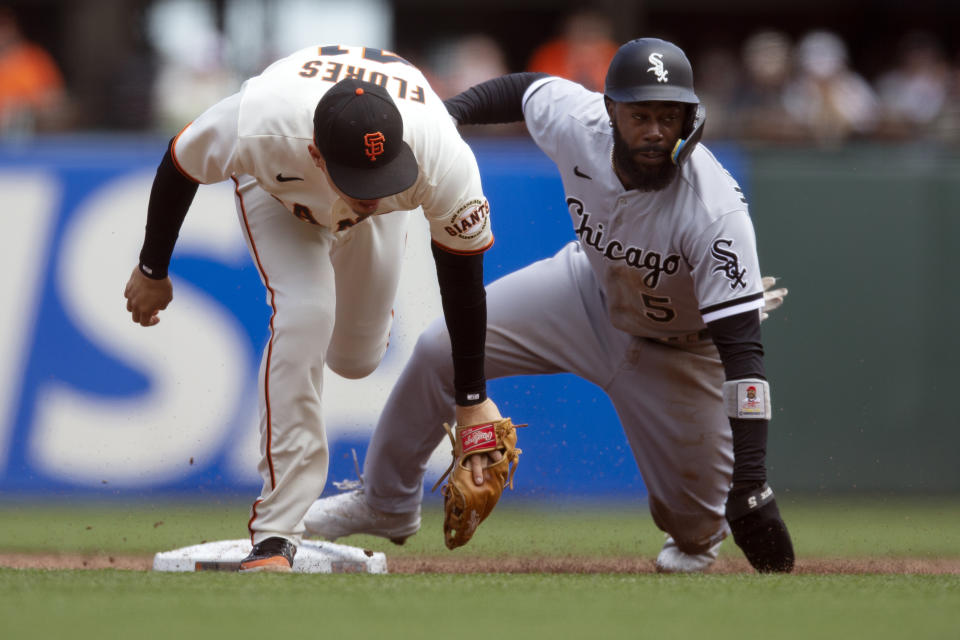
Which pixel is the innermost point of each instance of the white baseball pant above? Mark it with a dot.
(331, 296)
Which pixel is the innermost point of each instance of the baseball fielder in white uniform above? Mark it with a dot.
(658, 303)
(329, 150)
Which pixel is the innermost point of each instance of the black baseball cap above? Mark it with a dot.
(359, 131)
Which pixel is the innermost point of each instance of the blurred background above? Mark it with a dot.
(840, 119)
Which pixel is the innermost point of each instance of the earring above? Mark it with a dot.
(610, 122)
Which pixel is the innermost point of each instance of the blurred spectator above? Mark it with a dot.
(949, 125)
(581, 53)
(717, 81)
(32, 93)
(459, 64)
(831, 101)
(455, 65)
(759, 111)
(185, 87)
(193, 71)
(914, 93)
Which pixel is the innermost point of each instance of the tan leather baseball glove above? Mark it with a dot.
(465, 504)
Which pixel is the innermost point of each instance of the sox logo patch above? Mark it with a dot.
(729, 263)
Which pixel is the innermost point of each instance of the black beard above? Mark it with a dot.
(641, 177)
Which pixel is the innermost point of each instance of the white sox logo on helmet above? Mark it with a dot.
(656, 59)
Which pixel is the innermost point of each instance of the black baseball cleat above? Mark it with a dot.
(273, 554)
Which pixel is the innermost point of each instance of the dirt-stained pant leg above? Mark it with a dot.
(294, 260)
(668, 400)
(550, 318)
(537, 322)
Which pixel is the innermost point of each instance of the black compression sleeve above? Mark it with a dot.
(465, 311)
(170, 198)
(741, 350)
(740, 345)
(494, 101)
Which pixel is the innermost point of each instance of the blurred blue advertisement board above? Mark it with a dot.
(93, 404)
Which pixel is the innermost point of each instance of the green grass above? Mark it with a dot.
(129, 604)
(116, 604)
(871, 526)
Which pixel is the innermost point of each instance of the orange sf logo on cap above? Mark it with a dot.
(374, 144)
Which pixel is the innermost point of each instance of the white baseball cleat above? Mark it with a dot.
(672, 560)
(348, 513)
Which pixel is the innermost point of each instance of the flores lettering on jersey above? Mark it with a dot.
(470, 220)
(729, 263)
(636, 257)
(333, 71)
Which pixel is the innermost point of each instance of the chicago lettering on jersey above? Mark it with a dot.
(638, 258)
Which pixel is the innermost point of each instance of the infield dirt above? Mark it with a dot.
(539, 564)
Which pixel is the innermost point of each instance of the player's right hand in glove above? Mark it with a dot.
(759, 530)
(486, 411)
(476, 481)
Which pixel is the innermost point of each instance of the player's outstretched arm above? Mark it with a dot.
(752, 513)
(495, 101)
(149, 289)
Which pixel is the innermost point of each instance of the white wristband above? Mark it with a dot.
(748, 399)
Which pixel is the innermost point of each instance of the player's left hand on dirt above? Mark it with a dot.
(772, 298)
(465, 503)
(759, 530)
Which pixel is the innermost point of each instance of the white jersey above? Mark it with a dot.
(264, 129)
(667, 261)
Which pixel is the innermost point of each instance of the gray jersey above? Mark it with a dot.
(667, 261)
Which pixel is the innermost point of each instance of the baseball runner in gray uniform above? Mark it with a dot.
(659, 303)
